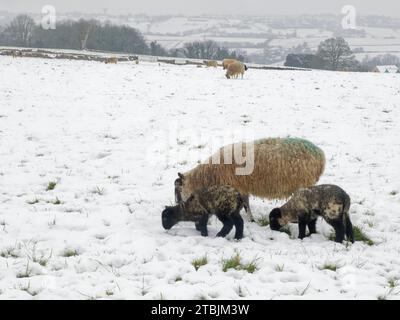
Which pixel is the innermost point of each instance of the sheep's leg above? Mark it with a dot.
(312, 226)
(201, 225)
(228, 225)
(238, 221)
(338, 225)
(197, 225)
(302, 227)
(349, 229)
(247, 207)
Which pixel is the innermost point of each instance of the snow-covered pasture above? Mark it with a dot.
(89, 153)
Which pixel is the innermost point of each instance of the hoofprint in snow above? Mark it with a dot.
(113, 137)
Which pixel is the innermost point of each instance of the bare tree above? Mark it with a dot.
(85, 28)
(19, 31)
(336, 53)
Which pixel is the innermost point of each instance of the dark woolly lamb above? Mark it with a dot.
(307, 204)
(223, 201)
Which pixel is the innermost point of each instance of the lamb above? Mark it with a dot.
(111, 60)
(211, 63)
(223, 201)
(234, 69)
(227, 62)
(307, 204)
(281, 166)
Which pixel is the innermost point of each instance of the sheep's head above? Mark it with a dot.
(227, 76)
(245, 68)
(170, 217)
(274, 218)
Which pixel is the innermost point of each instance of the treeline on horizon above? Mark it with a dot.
(92, 34)
(22, 31)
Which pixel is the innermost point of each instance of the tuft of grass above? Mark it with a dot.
(51, 185)
(279, 267)
(109, 292)
(251, 267)
(393, 193)
(263, 221)
(33, 201)
(99, 191)
(9, 253)
(393, 283)
(232, 263)
(178, 278)
(26, 273)
(56, 201)
(197, 263)
(67, 253)
(28, 289)
(235, 262)
(359, 235)
(329, 266)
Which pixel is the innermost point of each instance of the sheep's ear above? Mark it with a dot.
(180, 175)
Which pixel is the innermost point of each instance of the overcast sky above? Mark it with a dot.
(259, 7)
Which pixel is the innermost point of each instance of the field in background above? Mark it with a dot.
(87, 163)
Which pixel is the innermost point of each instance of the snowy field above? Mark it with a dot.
(106, 136)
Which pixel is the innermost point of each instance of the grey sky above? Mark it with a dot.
(259, 7)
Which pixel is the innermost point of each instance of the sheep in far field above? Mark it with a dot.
(223, 201)
(307, 204)
(113, 60)
(211, 63)
(227, 62)
(234, 69)
(16, 53)
(280, 167)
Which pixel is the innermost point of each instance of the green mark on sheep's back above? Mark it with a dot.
(290, 142)
(305, 144)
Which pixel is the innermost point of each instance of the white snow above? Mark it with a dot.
(105, 135)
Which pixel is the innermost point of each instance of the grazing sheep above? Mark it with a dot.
(234, 69)
(111, 60)
(211, 63)
(227, 62)
(16, 53)
(281, 166)
(306, 205)
(223, 201)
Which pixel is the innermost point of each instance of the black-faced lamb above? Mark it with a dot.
(223, 201)
(307, 204)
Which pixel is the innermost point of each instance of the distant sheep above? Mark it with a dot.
(211, 63)
(306, 205)
(113, 60)
(223, 201)
(16, 53)
(281, 166)
(235, 69)
(227, 62)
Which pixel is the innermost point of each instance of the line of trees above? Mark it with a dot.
(332, 54)
(335, 54)
(83, 34)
